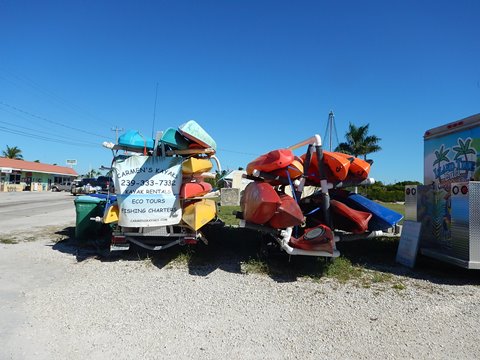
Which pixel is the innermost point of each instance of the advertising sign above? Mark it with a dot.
(408, 245)
(147, 190)
(72, 162)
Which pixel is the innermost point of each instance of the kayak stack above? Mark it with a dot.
(274, 200)
(189, 154)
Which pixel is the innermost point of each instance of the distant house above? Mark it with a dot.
(20, 175)
(235, 180)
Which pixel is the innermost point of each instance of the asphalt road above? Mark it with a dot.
(21, 212)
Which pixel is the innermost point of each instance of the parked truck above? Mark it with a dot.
(448, 204)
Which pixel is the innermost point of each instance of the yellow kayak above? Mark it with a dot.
(199, 213)
(195, 165)
(111, 214)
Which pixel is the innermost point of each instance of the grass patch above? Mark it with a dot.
(8, 241)
(342, 270)
(399, 286)
(183, 257)
(255, 266)
(225, 213)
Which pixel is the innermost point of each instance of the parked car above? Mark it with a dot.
(66, 186)
(106, 183)
(84, 186)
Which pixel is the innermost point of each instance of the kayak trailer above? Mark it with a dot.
(306, 194)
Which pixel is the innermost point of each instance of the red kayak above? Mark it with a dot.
(288, 213)
(194, 189)
(271, 161)
(347, 219)
(318, 238)
(259, 202)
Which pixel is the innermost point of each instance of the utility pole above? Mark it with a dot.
(117, 130)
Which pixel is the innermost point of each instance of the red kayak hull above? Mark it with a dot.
(259, 202)
(194, 189)
(347, 219)
(271, 161)
(288, 213)
(318, 238)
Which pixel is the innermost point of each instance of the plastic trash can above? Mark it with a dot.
(87, 207)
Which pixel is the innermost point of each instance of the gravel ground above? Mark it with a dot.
(56, 307)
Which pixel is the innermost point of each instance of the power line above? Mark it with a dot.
(32, 84)
(51, 121)
(46, 132)
(38, 137)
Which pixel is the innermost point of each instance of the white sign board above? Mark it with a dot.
(147, 190)
(6, 170)
(408, 245)
(71, 162)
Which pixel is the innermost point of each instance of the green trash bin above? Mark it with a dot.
(87, 207)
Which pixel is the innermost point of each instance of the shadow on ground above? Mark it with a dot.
(239, 250)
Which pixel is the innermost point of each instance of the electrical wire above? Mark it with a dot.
(46, 132)
(50, 121)
(39, 137)
(25, 81)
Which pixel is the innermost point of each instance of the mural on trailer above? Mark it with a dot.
(448, 159)
(453, 158)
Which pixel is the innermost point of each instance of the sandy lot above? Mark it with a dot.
(56, 302)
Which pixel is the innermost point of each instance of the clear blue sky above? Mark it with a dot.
(257, 75)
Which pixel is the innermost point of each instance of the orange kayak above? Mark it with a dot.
(271, 161)
(259, 202)
(288, 213)
(337, 167)
(295, 169)
(359, 168)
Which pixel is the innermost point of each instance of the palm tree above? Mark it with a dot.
(359, 142)
(12, 153)
(441, 155)
(463, 149)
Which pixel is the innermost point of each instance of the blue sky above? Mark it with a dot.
(257, 75)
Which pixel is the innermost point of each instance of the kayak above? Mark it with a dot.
(295, 169)
(382, 217)
(198, 213)
(318, 238)
(336, 167)
(359, 169)
(259, 202)
(271, 161)
(347, 219)
(174, 139)
(288, 213)
(194, 189)
(196, 165)
(194, 132)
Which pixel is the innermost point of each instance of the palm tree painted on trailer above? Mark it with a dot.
(464, 149)
(359, 142)
(12, 153)
(441, 155)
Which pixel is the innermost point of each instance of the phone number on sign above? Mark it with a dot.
(147, 182)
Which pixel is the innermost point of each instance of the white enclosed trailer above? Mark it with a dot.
(448, 204)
